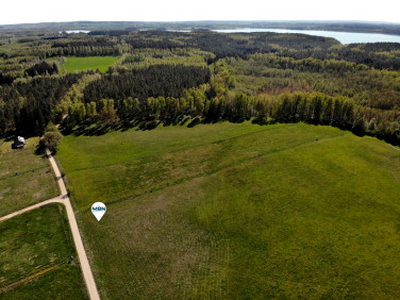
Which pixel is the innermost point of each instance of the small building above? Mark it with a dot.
(19, 143)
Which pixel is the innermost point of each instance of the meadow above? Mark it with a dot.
(25, 178)
(35, 248)
(101, 63)
(8, 47)
(238, 211)
(141, 58)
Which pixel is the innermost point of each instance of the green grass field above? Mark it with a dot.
(89, 63)
(13, 46)
(34, 249)
(34, 182)
(238, 211)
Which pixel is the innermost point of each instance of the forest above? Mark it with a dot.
(170, 77)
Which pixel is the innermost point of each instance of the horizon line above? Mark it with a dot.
(205, 20)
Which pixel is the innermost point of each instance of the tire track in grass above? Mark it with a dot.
(30, 277)
(207, 174)
(171, 152)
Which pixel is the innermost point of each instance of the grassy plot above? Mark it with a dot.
(89, 63)
(13, 46)
(25, 178)
(64, 282)
(141, 58)
(312, 222)
(238, 211)
(34, 249)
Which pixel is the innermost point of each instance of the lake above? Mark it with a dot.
(343, 37)
(77, 31)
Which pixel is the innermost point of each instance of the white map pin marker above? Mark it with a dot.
(98, 209)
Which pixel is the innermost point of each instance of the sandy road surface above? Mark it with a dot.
(64, 199)
(37, 205)
(86, 270)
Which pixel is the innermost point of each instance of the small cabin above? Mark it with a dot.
(19, 143)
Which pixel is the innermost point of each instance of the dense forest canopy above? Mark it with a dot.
(169, 77)
(110, 27)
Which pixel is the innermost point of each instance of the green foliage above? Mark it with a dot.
(51, 140)
(157, 80)
(359, 126)
(147, 57)
(164, 71)
(29, 104)
(230, 210)
(42, 68)
(51, 127)
(272, 74)
(107, 113)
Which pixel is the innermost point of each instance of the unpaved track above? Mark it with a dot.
(86, 270)
(64, 199)
(37, 205)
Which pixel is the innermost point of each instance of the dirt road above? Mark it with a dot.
(86, 270)
(37, 205)
(64, 199)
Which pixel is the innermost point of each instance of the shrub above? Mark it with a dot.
(51, 140)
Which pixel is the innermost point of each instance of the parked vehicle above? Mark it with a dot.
(19, 142)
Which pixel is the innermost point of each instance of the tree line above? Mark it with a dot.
(381, 56)
(198, 105)
(248, 76)
(367, 86)
(27, 106)
(154, 81)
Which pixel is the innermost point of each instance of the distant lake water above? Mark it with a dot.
(343, 37)
(77, 31)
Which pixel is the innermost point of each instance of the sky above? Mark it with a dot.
(35, 11)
